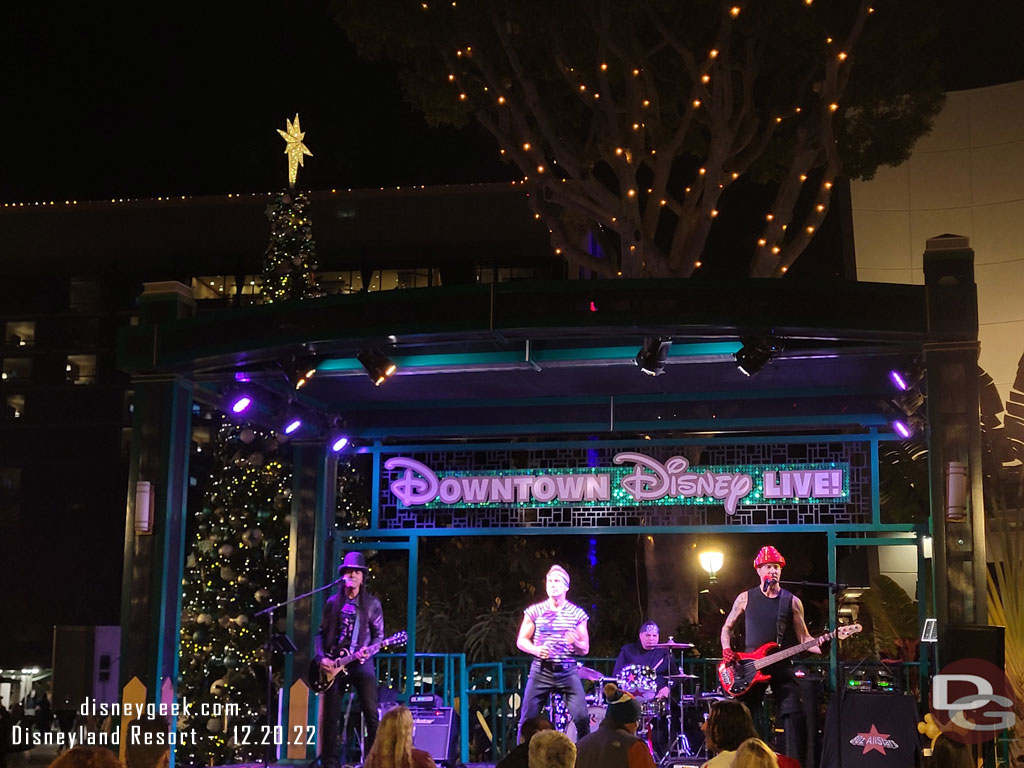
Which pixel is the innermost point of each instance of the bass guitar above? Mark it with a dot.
(320, 679)
(739, 676)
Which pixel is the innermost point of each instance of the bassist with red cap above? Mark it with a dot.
(773, 615)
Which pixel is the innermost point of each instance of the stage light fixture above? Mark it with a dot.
(338, 443)
(240, 404)
(902, 429)
(898, 379)
(292, 426)
(378, 366)
(299, 372)
(756, 353)
(653, 354)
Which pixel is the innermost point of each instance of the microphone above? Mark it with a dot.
(768, 582)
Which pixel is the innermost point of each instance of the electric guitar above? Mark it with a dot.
(739, 676)
(320, 679)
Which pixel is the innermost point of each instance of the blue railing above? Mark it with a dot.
(489, 694)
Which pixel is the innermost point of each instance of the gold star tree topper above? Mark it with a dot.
(294, 147)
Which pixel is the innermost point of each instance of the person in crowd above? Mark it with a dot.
(519, 757)
(139, 754)
(552, 749)
(614, 744)
(729, 724)
(65, 717)
(5, 733)
(754, 753)
(554, 631)
(44, 715)
(393, 746)
(950, 753)
(87, 757)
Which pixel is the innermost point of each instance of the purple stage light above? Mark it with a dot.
(241, 404)
(339, 443)
(898, 380)
(292, 426)
(902, 429)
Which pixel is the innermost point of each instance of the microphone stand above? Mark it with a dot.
(282, 644)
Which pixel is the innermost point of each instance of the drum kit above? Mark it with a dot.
(641, 681)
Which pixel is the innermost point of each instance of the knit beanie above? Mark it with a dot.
(622, 707)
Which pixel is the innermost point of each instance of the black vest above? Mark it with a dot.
(766, 618)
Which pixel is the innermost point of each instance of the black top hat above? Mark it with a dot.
(354, 561)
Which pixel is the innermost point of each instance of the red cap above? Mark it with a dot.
(769, 555)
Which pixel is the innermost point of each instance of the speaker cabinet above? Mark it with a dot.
(972, 641)
(435, 731)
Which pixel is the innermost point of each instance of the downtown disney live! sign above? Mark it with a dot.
(635, 480)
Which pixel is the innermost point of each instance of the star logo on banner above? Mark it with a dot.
(873, 740)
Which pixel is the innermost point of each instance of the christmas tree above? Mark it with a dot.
(290, 263)
(237, 564)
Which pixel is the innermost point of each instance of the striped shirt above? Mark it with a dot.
(553, 625)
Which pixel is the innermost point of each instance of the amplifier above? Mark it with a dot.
(435, 731)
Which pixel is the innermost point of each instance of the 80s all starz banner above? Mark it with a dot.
(636, 480)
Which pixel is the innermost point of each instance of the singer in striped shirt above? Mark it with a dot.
(554, 631)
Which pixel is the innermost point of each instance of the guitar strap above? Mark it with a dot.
(785, 614)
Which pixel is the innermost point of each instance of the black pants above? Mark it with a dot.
(788, 709)
(548, 677)
(362, 678)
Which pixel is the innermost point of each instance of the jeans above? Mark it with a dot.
(548, 677)
(363, 680)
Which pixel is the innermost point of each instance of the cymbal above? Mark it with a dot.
(588, 673)
(681, 676)
(672, 644)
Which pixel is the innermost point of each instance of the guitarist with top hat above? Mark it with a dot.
(353, 619)
(773, 615)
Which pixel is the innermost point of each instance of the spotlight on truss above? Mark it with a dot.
(378, 367)
(756, 353)
(653, 354)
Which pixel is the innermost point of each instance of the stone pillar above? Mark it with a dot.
(951, 360)
(157, 508)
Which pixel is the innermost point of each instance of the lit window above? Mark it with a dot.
(20, 333)
(81, 369)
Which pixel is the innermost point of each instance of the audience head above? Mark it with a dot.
(393, 744)
(533, 725)
(552, 749)
(950, 753)
(87, 757)
(729, 725)
(623, 708)
(754, 753)
(138, 754)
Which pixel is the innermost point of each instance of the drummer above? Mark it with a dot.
(634, 657)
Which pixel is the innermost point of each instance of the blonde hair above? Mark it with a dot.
(392, 748)
(87, 757)
(552, 749)
(754, 753)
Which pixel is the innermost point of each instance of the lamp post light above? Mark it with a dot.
(711, 561)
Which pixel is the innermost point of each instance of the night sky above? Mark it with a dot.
(124, 100)
(187, 99)
(108, 101)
